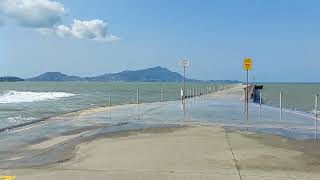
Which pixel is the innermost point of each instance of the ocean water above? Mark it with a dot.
(295, 96)
(27, 101)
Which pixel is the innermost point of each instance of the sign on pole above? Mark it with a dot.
(247, 64)
(185, 62)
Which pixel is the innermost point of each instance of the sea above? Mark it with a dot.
(21, 102)
(295, 96)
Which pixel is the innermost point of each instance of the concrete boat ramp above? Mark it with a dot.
(207, 137)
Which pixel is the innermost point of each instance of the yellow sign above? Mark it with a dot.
(7, 177)
(247, 64)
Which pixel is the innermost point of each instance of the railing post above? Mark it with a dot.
(138, 98)
(109, 98)
(280, 101)
(194, 92)
(187, 91)
(191, 93)
(260, 96)
(316, 106)
(161, 95)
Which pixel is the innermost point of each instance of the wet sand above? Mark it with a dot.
(190, 152)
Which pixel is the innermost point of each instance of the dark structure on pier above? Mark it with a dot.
(254, 93)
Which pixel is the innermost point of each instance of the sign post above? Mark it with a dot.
(247, 66)
(185, 63)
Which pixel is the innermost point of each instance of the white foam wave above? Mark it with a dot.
(20, 97)
(20, 119)
(314, 111)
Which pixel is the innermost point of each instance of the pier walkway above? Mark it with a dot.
(207, 137)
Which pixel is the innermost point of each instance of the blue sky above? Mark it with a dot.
(282, 37)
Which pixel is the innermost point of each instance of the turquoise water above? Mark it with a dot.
(294, 96)
(27, 101)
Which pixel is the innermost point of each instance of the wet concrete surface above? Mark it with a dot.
(224, 109)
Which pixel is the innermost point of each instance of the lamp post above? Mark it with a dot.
(185, 63)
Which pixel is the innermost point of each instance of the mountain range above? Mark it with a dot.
(155, 74)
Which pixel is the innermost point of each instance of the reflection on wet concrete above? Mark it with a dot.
(316, 128)
(228, 111)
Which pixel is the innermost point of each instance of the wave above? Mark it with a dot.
(19, 119)
(28, 96)
(314, 111)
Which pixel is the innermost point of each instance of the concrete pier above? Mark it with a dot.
(190, 152)
(203, 140)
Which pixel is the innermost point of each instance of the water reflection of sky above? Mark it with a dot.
(209, 110)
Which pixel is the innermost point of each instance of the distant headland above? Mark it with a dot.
(155, 74)
(10, 79)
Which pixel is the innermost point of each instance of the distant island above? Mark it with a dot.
(155, 74)
(10, 79)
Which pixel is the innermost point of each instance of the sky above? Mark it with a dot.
(88, 38)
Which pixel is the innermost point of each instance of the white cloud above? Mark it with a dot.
(33, 13)
(93, 30)
(46, 17)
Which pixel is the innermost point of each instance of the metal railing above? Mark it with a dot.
(143, 95)
(282, 105)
